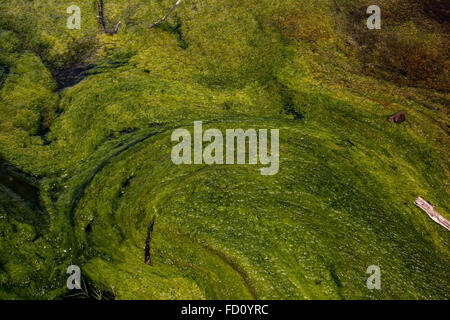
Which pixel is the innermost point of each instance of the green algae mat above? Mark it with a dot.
(88, 179)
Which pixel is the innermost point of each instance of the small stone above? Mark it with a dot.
(398, 117)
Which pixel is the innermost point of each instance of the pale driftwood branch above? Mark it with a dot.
(431, 211)
(157, 23)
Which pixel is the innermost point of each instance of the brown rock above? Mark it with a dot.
(398, 117)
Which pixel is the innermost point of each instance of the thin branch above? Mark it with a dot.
(336, 9)
(148, 259)
(157, 23)
(101, 19)
(116, 28)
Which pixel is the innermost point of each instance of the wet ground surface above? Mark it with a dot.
(20, 184)
(4, 71)
(71, 75)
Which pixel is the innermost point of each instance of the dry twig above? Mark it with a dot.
(101, 19)
(148, 259)
(157, 23)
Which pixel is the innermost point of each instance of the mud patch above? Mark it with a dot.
(4, 72)
(71, 75)
(21, 184)
(20, 199)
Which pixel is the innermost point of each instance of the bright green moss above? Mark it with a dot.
(343, 199)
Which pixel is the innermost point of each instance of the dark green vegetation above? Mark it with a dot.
(96, 155)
